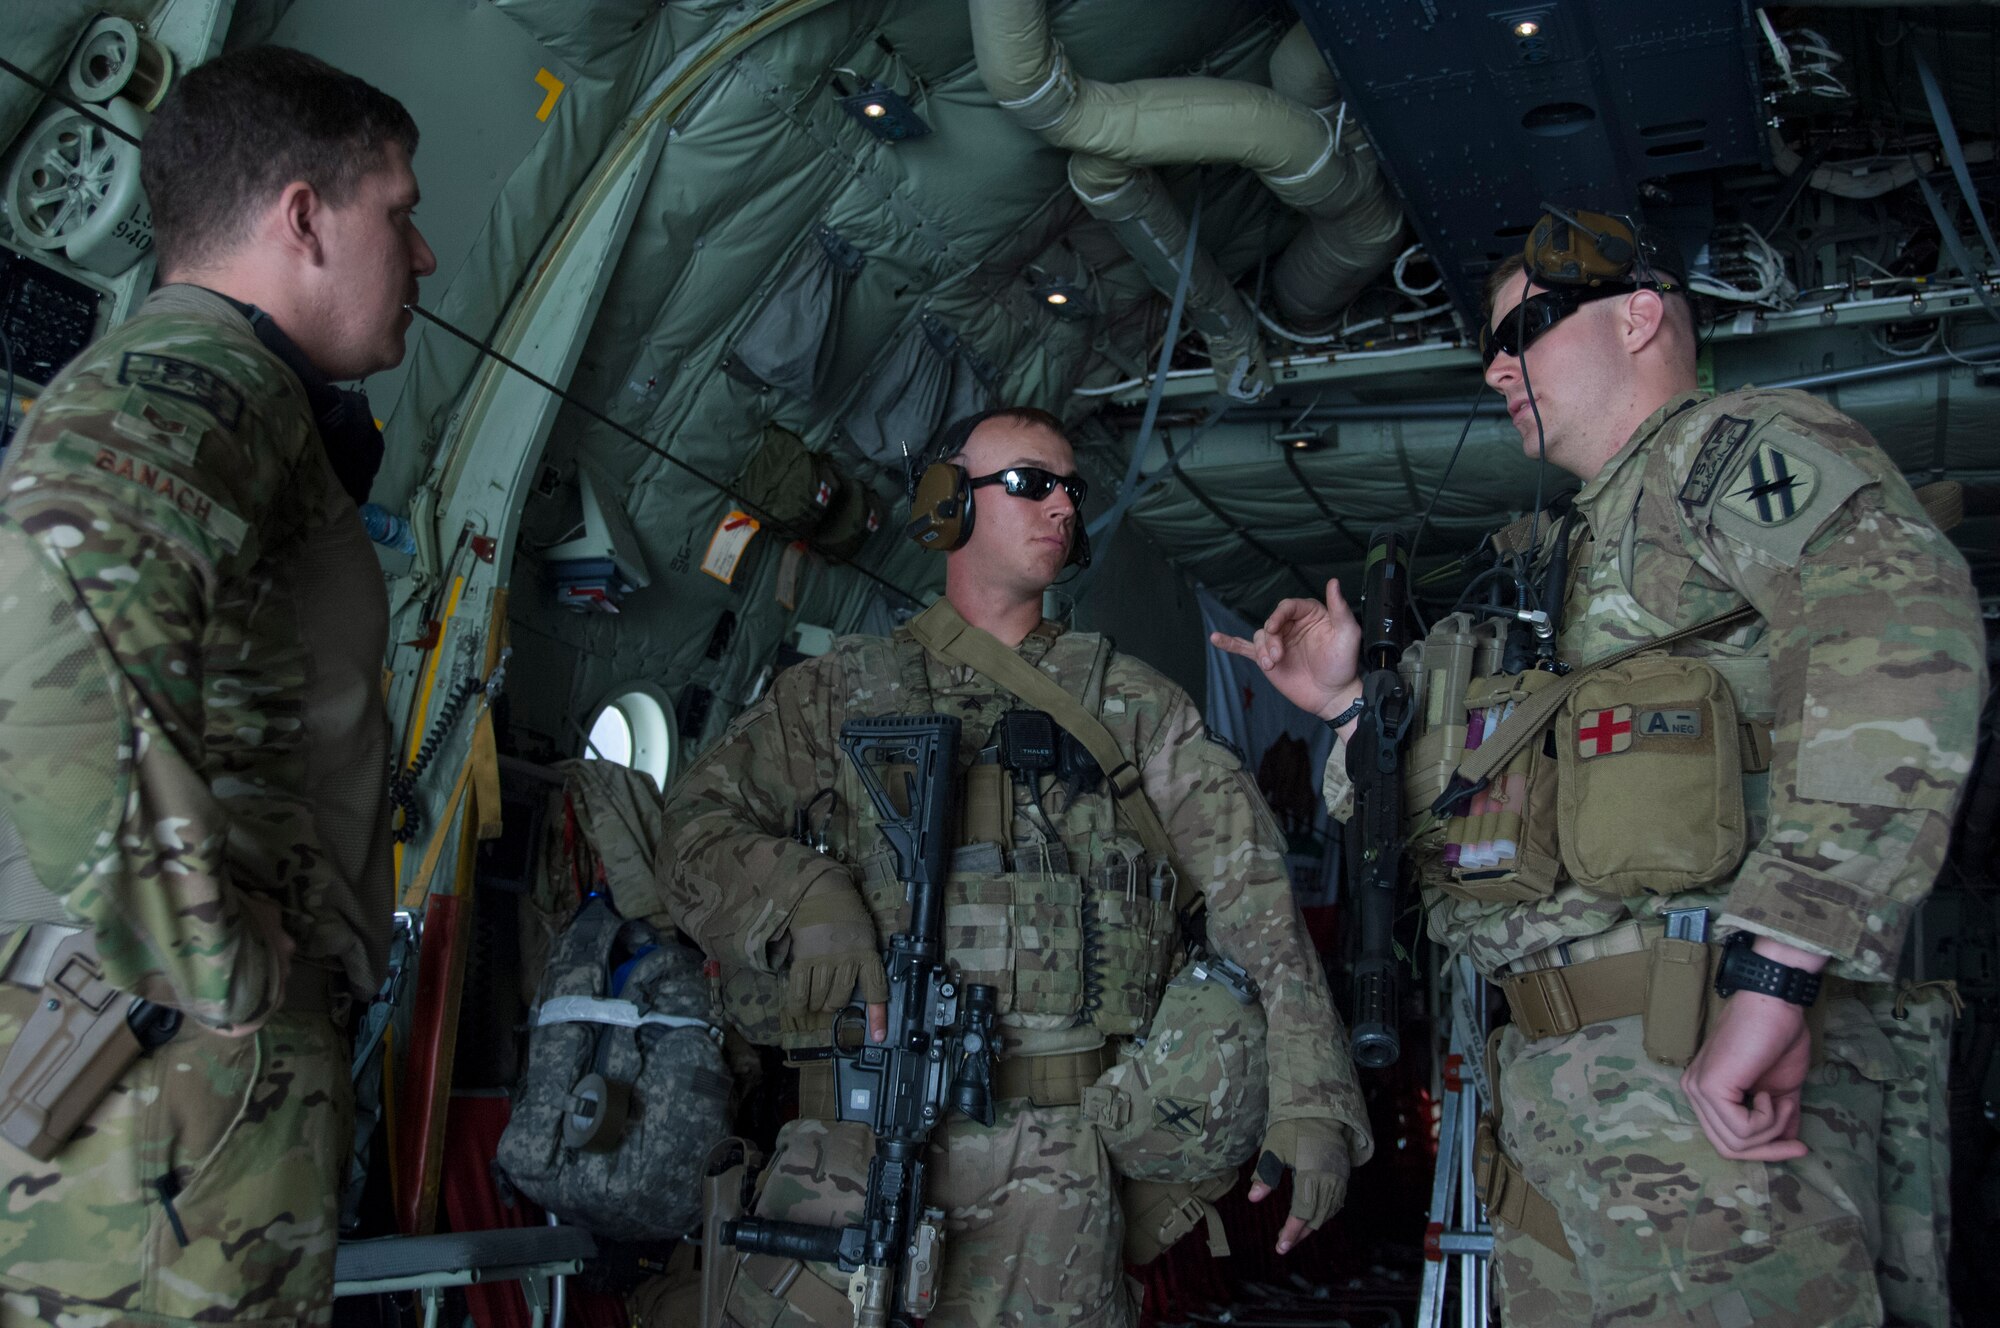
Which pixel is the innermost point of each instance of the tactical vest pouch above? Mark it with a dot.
(1187, 1101)
(1678, 993)
(625, 1091)
(1438, 672)
(1502, 847)
(1651, 779)
(1129, 934)
(1019, 932)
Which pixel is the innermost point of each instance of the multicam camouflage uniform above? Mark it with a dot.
(1869, 635)
(1034, 1228)
(191, 636)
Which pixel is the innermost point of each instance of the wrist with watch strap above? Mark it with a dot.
(1743, 969)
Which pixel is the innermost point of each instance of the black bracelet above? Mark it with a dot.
(1353, 711)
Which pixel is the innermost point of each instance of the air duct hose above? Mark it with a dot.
(1118, 130)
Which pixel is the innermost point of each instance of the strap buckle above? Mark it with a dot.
(1125, 780)
(1541, 1004)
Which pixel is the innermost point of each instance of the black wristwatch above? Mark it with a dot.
(1743, 969)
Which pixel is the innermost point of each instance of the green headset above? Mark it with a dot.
(941, 506)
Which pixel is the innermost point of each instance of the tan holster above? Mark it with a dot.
(71, 1050)
(1510, 1200)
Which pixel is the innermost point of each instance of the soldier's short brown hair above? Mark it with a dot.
(1507, 270)
(234, 132)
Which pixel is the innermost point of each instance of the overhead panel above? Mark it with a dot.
(1480, 112)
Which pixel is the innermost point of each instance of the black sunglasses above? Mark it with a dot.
(1527, 322)
(1034, 483)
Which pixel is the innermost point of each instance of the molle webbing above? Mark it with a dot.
(940, 630)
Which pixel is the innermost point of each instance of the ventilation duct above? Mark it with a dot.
(1118, 130)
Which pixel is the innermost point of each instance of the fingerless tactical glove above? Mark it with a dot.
(1316, 1151)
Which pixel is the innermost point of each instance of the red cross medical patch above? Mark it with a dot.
(823, 495)
(1602, 732)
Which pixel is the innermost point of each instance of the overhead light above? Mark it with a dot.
(886, 112)
(1527, 27)
(1300, 440)
(1065, 298)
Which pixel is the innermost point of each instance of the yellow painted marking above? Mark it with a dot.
(554, 87)
(419, 713)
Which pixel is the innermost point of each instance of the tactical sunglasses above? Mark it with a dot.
(1527, 322)
(1034, 483)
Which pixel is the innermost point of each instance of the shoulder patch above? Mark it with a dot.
(1718, 450)
(1781, 490)
(1773, 487)
(186, 380)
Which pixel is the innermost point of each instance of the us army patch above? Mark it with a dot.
(1718, 449)
(1604, 732)
(1669, 723)
(227, 527)
(184, 379)
(1176, 1117)
(1772, 488)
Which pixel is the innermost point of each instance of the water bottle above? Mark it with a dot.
(387, 529)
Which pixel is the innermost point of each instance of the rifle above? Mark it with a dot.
(1375, 767)
(937, 1058)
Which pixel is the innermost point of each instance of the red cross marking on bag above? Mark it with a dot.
(1605, 729)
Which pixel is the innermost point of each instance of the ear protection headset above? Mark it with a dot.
(941, 507)
(1598, 249)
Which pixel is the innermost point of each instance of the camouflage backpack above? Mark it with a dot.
(625, 1090)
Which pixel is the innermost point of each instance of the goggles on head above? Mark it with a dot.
(1527, 322)
(1034, 483)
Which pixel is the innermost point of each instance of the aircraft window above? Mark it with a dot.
(611, 738)
(632, 729)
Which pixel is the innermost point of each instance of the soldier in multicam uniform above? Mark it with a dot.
(1793, 1172)
(1069, 921)
(192, 740)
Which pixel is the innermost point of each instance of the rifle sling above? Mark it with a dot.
(940, 630)
(1535, 711)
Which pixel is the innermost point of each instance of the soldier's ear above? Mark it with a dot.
(294, 221)
(1642, 319)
